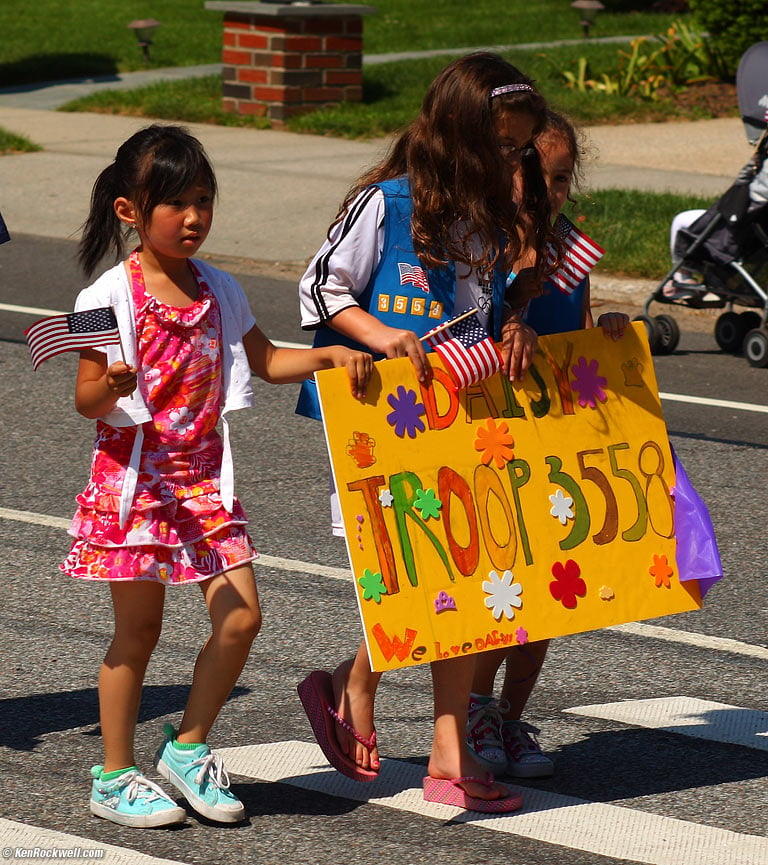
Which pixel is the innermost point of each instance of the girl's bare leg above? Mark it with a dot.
(524, 664)
(138, 608)
(486, 667)
(450, 757)
(233, 605)
(354, 686)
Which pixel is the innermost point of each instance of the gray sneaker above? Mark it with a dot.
(484, 734)
(525, 759)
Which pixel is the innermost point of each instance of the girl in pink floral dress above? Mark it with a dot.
(159, 508)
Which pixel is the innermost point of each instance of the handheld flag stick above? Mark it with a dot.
(447, 324)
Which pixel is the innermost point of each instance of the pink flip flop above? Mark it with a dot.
(316, 695)
(448, 791)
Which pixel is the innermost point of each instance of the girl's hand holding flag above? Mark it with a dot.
(71, 332)
(466, 349)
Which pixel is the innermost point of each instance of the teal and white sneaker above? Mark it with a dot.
(200, 775)
(133, 800)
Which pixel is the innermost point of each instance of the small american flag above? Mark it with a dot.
(581, 254)
(91, 328)
(414, 274)
(4, 236)
(468, 352)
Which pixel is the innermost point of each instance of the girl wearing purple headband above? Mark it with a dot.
(450, 179)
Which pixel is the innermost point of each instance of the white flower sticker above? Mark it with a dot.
(181, 419)
(386, 498)
(503, 595)
(562, 507)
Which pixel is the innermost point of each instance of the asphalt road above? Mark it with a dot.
(54, 631)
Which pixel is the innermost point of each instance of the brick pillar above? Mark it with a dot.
(283, 59)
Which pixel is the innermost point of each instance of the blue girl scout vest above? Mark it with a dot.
(554, 311)
(400, 293)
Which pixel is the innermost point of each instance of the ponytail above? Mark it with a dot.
(102, 230)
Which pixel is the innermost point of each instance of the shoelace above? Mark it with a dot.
(490, 731)
(525, 735)
(139, 787)
(212, 765)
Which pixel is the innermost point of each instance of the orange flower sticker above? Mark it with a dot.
(494, 443)
(661, 571)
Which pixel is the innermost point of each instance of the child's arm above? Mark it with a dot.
(99, 387)
(284, 365)
(355, 323)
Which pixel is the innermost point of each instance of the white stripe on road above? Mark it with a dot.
(638, 629)
(688, 716)
(43, 313)
(576, 824)
(716, 403)
(20, 841)
(700, 641)
(29, 310)
(672, 397)
(268, 561)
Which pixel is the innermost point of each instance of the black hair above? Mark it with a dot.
(154, 165)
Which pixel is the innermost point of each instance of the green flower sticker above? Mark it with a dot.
(428, 504)
(372, 585)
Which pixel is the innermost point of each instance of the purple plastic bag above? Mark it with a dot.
(697, 555)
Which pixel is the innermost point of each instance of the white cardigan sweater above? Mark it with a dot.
(113, 289)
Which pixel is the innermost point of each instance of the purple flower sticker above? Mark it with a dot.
(406, 413)
(589, 385)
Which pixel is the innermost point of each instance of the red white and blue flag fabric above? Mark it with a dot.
(91, 328)
(466, 349)
(580, 255)
(413, 274)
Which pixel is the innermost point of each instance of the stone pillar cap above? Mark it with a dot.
(285, 9)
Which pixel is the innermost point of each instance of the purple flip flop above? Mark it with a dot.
(316, 695)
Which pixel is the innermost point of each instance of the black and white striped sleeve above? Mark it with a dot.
(341, 269)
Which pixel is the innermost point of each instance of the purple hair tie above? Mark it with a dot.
(510, 88)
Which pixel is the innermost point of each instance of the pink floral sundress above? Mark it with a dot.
(177, 530)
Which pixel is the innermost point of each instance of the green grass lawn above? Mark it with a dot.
(633, 228)
(12, 143)
(47, 40)
(39, 43)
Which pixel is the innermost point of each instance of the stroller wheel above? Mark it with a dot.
(652, 331)
(729, 331)
(668, 333)
(756, 348)
(750, 320)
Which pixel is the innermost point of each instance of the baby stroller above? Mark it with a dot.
(727, 244)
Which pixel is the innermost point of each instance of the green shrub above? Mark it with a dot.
(733, 25)
(653, 66)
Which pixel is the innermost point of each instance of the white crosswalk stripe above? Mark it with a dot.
(601, 828)
(18, 841)
(702, 719)
(596, 827)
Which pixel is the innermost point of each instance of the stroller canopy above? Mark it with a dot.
(752, 90)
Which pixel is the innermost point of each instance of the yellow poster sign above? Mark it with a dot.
(506, 513)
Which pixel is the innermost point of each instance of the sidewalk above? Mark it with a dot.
(279, 190)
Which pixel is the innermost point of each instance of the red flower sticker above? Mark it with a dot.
(568, 584)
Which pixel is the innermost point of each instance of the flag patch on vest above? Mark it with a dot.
(413, 275)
